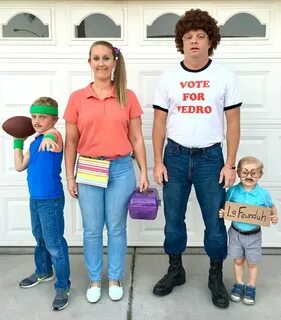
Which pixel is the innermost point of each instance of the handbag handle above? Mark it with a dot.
(148, 190)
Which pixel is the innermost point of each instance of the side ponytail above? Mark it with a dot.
(120, 80)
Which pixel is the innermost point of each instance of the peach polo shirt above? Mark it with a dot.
(103, 125)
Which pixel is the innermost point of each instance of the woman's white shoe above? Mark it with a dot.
(93, 294)
(115, 292)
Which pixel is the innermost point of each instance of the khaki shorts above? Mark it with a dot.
(245, 246)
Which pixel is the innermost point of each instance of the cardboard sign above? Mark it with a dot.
(241, 212)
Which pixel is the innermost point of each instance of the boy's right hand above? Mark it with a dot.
(221, 213)
(19, 142)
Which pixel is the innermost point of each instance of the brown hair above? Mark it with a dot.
(195, 19)
(250, 160)
(119, 74)
(46, 101)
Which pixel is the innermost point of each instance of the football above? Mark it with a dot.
(19, 127)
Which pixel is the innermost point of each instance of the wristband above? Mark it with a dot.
(18, 144)
(230, 167)
(50, 136)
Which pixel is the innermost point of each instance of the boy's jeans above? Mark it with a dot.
(51, 249)
(200, 168)
(107, 206)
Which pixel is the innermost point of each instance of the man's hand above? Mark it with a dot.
(228, 176)
(160, 173)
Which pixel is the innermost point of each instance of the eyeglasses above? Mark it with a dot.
(254, 173)
(198, 37)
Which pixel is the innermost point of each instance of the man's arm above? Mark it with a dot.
(232, 135)
(158, 138)
(232, 142)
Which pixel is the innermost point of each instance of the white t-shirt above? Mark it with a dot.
(195, 102)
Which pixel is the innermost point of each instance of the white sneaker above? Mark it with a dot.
(93, 294)
(115, 292)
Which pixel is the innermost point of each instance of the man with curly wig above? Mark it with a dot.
(191, 102)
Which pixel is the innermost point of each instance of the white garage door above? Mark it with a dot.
(43, 52)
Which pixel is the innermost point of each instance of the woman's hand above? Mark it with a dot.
(72, 187)
(143, 182)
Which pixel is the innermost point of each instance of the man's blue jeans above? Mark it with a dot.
(51, 248)
(107, 206)
(200, 168)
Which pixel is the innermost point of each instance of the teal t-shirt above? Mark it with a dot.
(258, 196)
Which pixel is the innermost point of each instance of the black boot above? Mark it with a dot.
(174, 277)
(220, 296)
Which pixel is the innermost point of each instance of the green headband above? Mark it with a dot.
(44, 110)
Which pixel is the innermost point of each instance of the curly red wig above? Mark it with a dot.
(195, 19)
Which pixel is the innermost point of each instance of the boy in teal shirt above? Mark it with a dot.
(245, 239)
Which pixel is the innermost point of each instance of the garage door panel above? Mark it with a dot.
(78, 79)
(260, 14)
(115, 14)
(259, 95)
(144, 75)
(262, 143)
(8, 173)
(15, 217)
(268, 240)
(151, 14)
(253, 104)
(20, 88)
(44, 12)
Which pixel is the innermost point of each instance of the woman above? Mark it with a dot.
(103, 121)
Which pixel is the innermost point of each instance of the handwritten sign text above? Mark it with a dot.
(247, 213)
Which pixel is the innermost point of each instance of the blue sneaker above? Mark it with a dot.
(34, 279)
(250, 295)
(61, 300)
(237, 292)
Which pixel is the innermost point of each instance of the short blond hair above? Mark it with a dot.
(250, 160)
(46, 101)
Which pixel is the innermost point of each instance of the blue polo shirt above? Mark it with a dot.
(258, 196)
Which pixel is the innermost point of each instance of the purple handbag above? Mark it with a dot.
(144, 205)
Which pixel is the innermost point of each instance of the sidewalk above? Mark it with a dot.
(191, 301)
